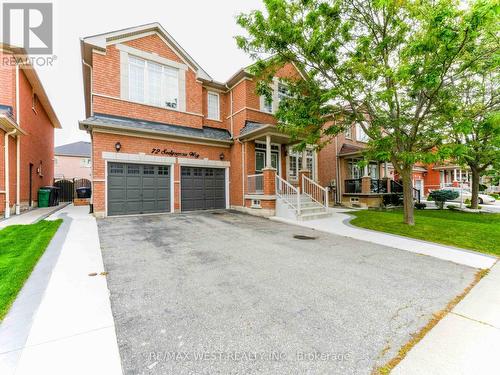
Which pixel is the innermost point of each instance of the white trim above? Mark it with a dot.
(151, 56)
(186, 162)
(137, 158)
(172, 188)
(227, 188)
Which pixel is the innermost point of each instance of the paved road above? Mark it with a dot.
(228, 293)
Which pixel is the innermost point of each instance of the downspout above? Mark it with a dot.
(338, 193)
(6, 169)
(18, 147)
(91, 88)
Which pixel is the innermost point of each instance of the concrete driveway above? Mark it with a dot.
(228, 293)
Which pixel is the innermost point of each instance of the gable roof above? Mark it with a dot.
(74, 149)
(348, 149)
(100, 41)
(34, 80)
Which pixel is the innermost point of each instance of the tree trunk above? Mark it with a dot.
(475, 189)
(408, 206)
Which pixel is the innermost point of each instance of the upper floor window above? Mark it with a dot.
(152, 83)
(348, 132)
(267, 104)
(85, 162)
(213, 106)
(283, 91)
(361, 136)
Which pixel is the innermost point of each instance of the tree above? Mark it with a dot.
(473, 113)
(383, 64)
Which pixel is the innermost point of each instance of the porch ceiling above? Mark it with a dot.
(259, 132)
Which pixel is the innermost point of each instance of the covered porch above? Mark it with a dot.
(272, 166)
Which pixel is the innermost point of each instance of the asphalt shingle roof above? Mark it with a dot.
(186, 131)
(74, 149)
(250, 126)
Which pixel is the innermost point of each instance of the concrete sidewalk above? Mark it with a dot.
(31, 216)
(338, 224)
(61, 322)
(464, 342)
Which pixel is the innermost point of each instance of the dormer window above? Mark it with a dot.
(152, 83)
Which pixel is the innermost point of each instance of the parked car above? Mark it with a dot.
(467, 194)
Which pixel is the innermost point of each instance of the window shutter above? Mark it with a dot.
(182, 90)
(124, 75)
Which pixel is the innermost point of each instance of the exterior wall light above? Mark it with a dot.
(118, 146)
(221, 156)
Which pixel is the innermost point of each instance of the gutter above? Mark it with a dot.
(18, 148)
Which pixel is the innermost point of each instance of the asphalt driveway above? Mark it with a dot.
(228, 293)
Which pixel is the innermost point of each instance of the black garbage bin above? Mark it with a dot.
(53, 195)
(83, 192)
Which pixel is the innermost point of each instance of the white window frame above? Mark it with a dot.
(163, 87)
(348, 132)
(361, 135)
(217, 115)
(85, 162)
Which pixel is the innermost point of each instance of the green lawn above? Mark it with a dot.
(475, 231)
(20, 248)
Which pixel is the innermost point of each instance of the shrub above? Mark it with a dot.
(392, 199)
(478, 206)
(482, 187)
(441, 196)
(420, 206)
(495, 195)
(467, 201)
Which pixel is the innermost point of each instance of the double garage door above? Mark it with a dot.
(142, 188)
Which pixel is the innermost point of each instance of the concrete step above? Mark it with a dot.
(312, 209)
(314, 216)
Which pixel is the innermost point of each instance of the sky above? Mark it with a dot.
(205, 29)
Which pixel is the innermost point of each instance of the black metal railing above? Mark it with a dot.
(397, 188)
(353, 186)
(378, 186)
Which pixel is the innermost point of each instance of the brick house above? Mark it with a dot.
(27, 123)
(166, 137)
(72, 161)
(351, 185)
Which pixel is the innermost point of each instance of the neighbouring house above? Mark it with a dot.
(352, 185)
(73, 161)
(166, 137)
(27, 123)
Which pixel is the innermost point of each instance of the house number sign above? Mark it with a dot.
(168, 152)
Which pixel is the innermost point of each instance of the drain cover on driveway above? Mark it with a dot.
(303, 237)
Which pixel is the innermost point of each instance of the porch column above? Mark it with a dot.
(303, 170)
(455, 174)
(268, 151)
(366, 181)
(386, 178)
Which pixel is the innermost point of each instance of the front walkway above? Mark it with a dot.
(61, 322)
(338, 224)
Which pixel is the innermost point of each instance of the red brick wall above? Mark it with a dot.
(134, 145)
(37, 146)
(106, 81)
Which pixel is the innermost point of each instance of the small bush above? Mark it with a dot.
(429, 199)
(392, 200)
(441, 196)
(420, 206)
(467, 201)
(478, 206)
(482, 187)
(495, 195)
